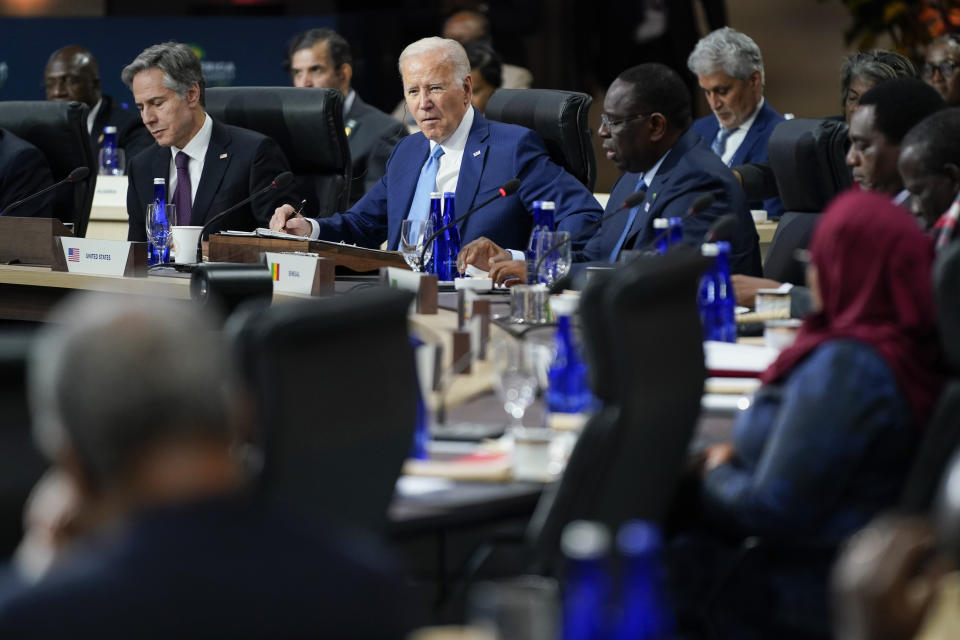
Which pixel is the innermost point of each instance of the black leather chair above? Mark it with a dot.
(59, 130)
(336, 390)
(628, 460)
(807, 157)
(560, 117)
(307, 123)
(942, 437)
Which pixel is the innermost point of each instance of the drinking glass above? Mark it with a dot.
(515, 369)
(558, 259)
(159, 220)
(112, 162)
(412, 235)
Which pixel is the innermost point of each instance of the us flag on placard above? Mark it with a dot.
(73, 254)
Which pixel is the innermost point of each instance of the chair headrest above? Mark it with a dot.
(807, 157)
(559, 117)
(946, 284)
(307, 123)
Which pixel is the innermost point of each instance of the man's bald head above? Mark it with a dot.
(72, 74)
(467, 26)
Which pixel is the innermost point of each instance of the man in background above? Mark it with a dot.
(322, 58)
(729, 69)
(72, 74)
(135, 401)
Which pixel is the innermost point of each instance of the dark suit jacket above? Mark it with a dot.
(495, 153)
(690, 170)
(754, 145)
(217, 568)
(132, 136)
(24, 171)
(238, 163)
(372, 134)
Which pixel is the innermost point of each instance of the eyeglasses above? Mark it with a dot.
(605, 121)
(946, 69)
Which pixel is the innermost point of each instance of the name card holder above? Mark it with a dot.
(29, 240)
(307, 274)
(424, 285)
(93, 256)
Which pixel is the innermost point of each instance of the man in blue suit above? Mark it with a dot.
(456, 150)
(645, 127)
(729, 68)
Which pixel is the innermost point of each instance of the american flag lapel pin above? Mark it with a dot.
(222, 156)
(476, 153)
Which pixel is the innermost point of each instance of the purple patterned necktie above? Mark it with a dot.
(181, 197)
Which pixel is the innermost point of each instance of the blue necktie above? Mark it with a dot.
(719, 145)
(420, 207)
(641, 186)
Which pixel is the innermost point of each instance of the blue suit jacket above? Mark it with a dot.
(690, 170)
(754, 145)
(238, 163)
(495, 153)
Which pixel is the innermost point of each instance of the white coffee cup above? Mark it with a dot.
(185, 243)
(531, 453)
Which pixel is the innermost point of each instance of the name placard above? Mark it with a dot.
(424, 285)
(100, 257)
(304, 274)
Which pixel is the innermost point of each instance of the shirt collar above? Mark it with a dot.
(197, 147)
(348, 102)
(651, 173)
(457, 141)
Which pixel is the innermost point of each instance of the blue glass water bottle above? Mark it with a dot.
(727, 301)
(109, 158)
(568, 388)
(436, 216)
(159, 198)
(586, 546)
(542, 221)
(449, 266)
(643, 614)
(669, 233)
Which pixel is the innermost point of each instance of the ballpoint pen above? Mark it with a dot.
(296, 214)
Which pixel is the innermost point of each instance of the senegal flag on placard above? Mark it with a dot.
(275, 270)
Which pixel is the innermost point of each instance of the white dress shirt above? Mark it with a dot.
(739, 135)
(197, 150)
(93, 116)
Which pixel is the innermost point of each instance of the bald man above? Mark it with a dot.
(72, 74)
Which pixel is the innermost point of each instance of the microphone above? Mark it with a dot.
(722, 229)
(77, 175)
(631, 201)
(507, 189)
(280, 182)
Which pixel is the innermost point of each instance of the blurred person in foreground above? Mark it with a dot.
(831, 434)
(134, 402)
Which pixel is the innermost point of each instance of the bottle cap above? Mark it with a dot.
(661, 223)
(448, 194)
(109, 129)
(723, 247)
(709, 249)
(159, 181)
(675, 222)
(548, 204)
(585, 540)
(435, 194)
(638, 537)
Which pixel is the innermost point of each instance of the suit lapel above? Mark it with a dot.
(215, 165)
(640, 232)
(471, 165)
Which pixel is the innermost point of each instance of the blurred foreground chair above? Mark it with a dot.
(59, 130)
(336, 390)
(307, 123)
(559, 117)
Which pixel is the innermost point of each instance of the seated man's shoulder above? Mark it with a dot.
(382, 122)
(707, 125)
